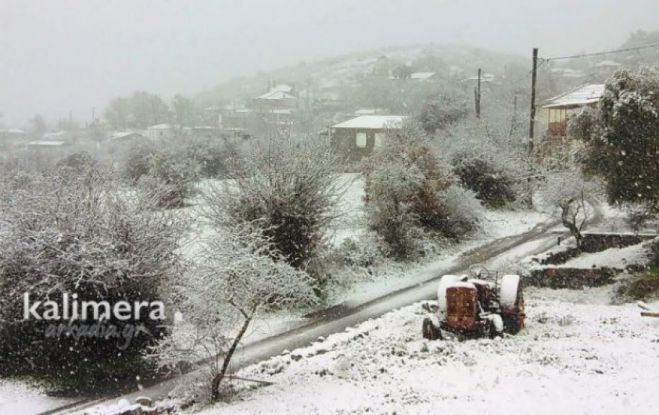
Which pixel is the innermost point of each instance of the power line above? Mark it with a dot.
(585, 55)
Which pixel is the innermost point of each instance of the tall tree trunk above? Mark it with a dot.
(217, 379)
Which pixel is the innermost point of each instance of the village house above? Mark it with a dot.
(557, 111)
(358, 137)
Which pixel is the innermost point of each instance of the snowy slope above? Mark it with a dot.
(571, 359)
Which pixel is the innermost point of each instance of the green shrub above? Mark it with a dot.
(492, 186)
(642, 286)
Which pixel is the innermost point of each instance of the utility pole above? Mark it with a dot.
(477, 95)
(533, 80)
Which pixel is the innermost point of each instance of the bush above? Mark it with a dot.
(462, 212)
(406, 195)
(175, 175)
(290, 190)
(584, 125)
(77, 163)
(654, 253)
(171, 171)
(442, 112)
(214, 156)
(138, 162)
(645, 285)
(82, 236)
(491, 185)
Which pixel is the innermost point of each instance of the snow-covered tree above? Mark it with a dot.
(239, 275)
(627, 155)
(571, 195)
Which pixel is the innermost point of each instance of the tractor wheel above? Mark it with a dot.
(512, 304)
(430, 331)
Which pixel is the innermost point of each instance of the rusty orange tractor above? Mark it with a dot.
(477, 306)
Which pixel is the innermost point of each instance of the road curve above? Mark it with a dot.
(342, 316)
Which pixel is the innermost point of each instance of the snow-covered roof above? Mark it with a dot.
(13, 131)
(160, 127)
(376, 122)
(54, 135)
(584, 95)
(282, 88)
(276, 94)
(568, 72)
(422, 75)
(608, 63)
(485, 77)
(125, 134)
(46, 143)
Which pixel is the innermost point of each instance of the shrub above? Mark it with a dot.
(138, 162)
(291, 190)
(654, 252)
(405, 194)
(462, 212)
(491, 185)
(642, 286)
(584, 125)
(214, 156)
(175, 175)
(78, 163)
(82, 236)
(441, 112)
(169, 170)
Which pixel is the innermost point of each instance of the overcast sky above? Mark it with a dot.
(61, 55)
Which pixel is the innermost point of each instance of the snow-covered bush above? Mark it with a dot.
(175, 175)
(442, 111)
(463, 211)
(290, 189)
(78, 163)
(490, 146)
(68, 234)
(239, 274)
(492, 185)
(167, 169)
(405, 194)
(138, 161)
(584, 126)
(214, 156)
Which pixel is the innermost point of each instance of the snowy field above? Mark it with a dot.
(577, 355)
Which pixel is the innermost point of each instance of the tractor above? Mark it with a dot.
(473, 306)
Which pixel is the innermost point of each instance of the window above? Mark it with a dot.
(379, 140)
(360, 140)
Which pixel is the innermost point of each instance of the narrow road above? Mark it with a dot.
(342, 316)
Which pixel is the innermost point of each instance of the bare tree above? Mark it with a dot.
(571, 193)
(236, 279)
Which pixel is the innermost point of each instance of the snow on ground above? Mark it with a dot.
(612, 257)
(18, 398)
(575, 358)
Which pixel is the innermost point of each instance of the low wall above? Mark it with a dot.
(574, 278)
